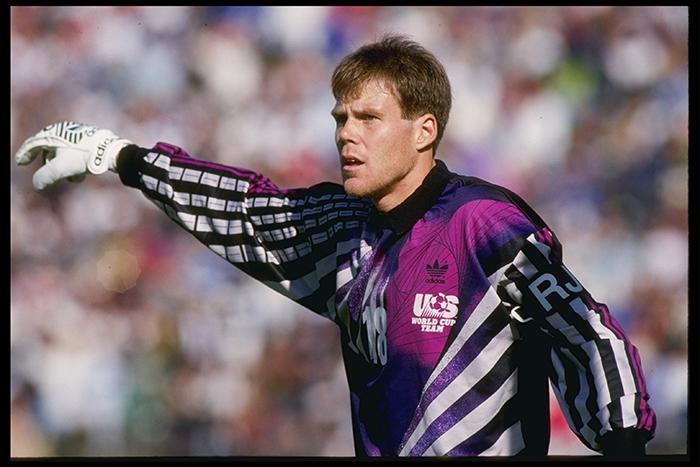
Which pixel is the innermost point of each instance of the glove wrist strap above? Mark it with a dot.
(104, 156)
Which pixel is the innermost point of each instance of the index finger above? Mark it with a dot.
(32, 147)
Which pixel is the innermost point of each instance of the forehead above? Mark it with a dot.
(375, 92)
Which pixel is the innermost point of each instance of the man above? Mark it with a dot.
(454, 306)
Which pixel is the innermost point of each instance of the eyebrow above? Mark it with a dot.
(336, 113)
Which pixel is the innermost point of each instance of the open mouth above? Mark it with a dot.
(350, 162)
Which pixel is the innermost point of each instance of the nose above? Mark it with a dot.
(345, 133)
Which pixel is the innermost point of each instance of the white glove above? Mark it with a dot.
(70, 150)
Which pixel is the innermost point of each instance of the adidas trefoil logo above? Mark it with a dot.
(436, 273)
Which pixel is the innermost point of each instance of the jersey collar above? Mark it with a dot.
(402, 218)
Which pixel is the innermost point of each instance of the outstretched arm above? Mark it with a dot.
(291, 240)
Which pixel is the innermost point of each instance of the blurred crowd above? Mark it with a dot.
(128, 337)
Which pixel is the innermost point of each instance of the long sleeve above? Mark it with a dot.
(291, 240)
(595, 370)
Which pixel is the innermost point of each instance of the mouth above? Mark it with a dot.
(349, 162)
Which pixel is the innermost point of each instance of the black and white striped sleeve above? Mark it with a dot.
(596, 372)
(291, 240)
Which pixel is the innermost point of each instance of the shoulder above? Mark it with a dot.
(485, 216)
(468, 188)
(488, 220)
(482, 202)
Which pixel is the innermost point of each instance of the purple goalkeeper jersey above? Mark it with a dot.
(455, 308)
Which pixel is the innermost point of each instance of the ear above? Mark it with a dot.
(426, 128)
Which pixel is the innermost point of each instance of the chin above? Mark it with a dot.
(354, 188)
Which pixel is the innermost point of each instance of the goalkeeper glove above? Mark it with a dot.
(624, 443)
(70, 151)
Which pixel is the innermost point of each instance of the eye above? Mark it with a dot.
(339, 120)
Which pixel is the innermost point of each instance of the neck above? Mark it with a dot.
(404, 187)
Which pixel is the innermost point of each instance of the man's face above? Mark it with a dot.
(376, 145)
